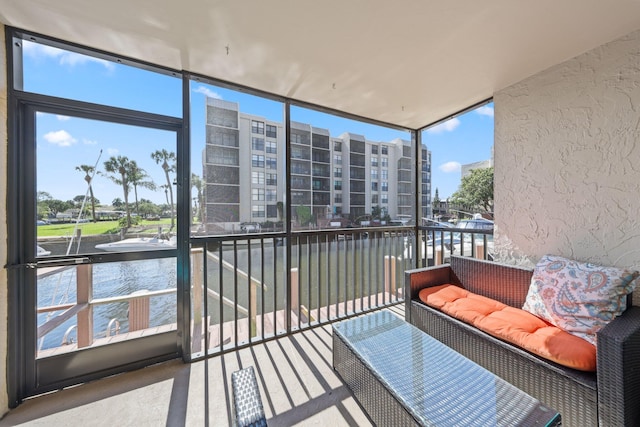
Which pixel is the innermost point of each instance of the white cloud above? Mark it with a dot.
(89, 142)
(208, 92)
(61, 138)
(64, 57)
(450, 167)
(485, 110)
(447, 126)
(112, 151)
(63, 118)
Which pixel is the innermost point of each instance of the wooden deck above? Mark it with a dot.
(267, 326)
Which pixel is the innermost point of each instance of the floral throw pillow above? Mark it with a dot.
(580, 298)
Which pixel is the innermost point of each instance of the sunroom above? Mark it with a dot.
(177, 192)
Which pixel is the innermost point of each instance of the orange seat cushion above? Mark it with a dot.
(513, 325)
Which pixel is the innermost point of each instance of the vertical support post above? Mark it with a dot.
(390, 274)
(139, 311)
(84, 286)
(480, 250)
(295, 297)
(196, 280)
(438, 256)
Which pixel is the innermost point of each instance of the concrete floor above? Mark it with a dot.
(295, 376)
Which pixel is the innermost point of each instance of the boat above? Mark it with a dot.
(40, 251)
(136, 244)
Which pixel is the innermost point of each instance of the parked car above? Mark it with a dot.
(250, 227)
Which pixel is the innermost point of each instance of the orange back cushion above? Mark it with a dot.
(513, 325)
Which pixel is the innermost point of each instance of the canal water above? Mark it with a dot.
(328, 271)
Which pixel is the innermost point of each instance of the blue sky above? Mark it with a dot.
(66, 142)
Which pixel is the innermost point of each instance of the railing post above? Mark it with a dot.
(253, 307)
(390, 274)
(437, 259)
(480, 250)
(139, 311)
(196, 295)
(84, 286)
(295, 298)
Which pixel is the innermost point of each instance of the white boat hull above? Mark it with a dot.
(137, 244)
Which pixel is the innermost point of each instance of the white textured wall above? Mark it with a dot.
(3, 225)
(567, 160)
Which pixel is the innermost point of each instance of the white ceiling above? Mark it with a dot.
(406, 62)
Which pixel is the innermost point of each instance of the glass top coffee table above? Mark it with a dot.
(402, 376)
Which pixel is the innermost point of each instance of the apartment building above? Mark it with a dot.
(347, 176)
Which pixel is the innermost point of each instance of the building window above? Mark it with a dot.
(272, 179)
(257, 177)
(384, 186)
(374, 162)
(337, 198)
(296, 138)
(337, 146)
(337, 159)
(374, 174)
(257, 127)
(272, 163)
(337, 172)
(385, 150)
(337, 184)
(257, 161)
(374, 149)
(272, 131)
(374, 199)
(257, 194)
(374, 186)
(257, 144)
(385, 162)
(384, 198)
(384, 175)
(257, 211)
(272, 147)
(271, 195)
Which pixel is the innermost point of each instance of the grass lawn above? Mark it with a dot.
(100, 227)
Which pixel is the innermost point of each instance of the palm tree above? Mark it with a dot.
(137, 177)
(196, 183)
(88, 171)
(167, 160)
(120, 165)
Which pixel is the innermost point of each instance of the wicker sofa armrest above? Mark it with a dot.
(418, 279)
(619, 370)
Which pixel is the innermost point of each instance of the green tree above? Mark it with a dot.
(87, 209)
(196, 182)
(167, 160)
(304, 214)
(43, 207)
(280, 208)
(118, 171)
(137, 177)
(148, 208)
(88, 173)
(117, 203)
(476, 190)
(56, 206)
(376, 212)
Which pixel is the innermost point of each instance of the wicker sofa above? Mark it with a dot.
(609, 397)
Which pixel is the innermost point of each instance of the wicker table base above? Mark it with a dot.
(402, 376)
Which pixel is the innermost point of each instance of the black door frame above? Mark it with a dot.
(27, 375)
